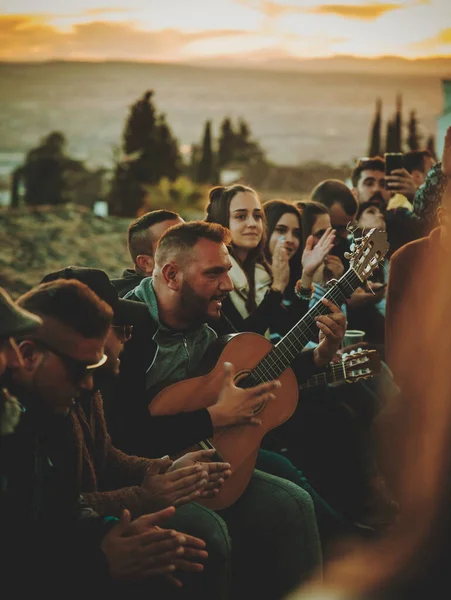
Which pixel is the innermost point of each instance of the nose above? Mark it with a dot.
(226, 284)
(289, 237)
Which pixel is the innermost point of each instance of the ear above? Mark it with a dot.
(145, 263)
(355, 194)
(172, 275)
(441, 215)
(31, 356)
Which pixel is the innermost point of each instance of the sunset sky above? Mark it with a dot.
(174, 30)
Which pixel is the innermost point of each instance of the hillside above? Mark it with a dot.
(36, 241)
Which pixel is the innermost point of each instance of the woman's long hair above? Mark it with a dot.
(274, 210)
(310, 210)
(218, 211)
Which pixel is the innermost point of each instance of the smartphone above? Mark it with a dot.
(393, 160)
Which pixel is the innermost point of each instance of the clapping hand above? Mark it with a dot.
(167, 487)
(218, 472)
(139, 549)
(312, 257)
(280, 266)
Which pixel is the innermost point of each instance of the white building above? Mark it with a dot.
(444, 120)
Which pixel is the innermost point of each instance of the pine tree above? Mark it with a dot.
(375, 138)
(430, 145)
(227, 143)
(152, 153)
(126, 195)
(140, 128)
(413, 139)
(43, 171)
(205, 171)
(169, 159)
(397, 134)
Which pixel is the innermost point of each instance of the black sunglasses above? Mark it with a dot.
(76, 369)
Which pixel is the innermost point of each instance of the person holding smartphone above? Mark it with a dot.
(374, 184)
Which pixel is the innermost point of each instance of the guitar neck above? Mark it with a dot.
(336, 373)
(286, 350)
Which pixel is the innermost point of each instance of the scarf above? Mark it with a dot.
(240, 294)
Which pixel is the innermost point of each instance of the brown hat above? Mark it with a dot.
(15, 320)
(65, 341)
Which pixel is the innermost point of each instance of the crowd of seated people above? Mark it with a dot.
(104, 491)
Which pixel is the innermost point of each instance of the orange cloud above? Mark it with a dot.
(26, 37)
(366, 12)
(442, 38)
(96, 12)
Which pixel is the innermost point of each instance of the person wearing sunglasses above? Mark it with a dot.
(111, 480)
(50, 536)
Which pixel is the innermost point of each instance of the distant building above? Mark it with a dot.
(444, 120)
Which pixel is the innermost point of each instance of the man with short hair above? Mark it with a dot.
(13, 321)
(418, 163)
(52, 538)
(143, 235)
(338, 198)
(372, 185)
(184, 298)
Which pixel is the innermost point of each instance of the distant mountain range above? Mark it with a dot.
(279, 60)
(269, 59)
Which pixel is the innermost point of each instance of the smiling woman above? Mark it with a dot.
(256, 303)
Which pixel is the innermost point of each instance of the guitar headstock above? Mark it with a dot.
(360, 364)
(368, 252)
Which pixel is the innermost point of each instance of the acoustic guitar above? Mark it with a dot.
(257, 360)
(353, 366)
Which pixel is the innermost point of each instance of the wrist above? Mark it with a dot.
(303, 292)
(319, 360)
(306, 278)
(277, 287)
(218, 419)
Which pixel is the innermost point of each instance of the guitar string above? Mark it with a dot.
(336, 369)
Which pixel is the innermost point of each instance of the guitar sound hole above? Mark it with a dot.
(244, 379)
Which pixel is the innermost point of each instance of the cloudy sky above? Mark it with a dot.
(173, 30)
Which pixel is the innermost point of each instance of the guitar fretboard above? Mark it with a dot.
(286, 350)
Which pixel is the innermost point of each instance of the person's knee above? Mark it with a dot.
(201, 522)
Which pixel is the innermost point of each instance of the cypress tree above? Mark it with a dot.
(413, 139)
(374, 148)
(430, 145)
(397, 134)
(227, 143)
(205, 171)
(391, 138)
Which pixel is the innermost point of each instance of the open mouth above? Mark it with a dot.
(218, 300)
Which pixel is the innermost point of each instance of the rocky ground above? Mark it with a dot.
(35, 241)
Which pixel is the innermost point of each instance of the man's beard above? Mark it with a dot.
(378, 199)
(194, 307)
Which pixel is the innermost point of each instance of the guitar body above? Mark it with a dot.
(237, 445)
